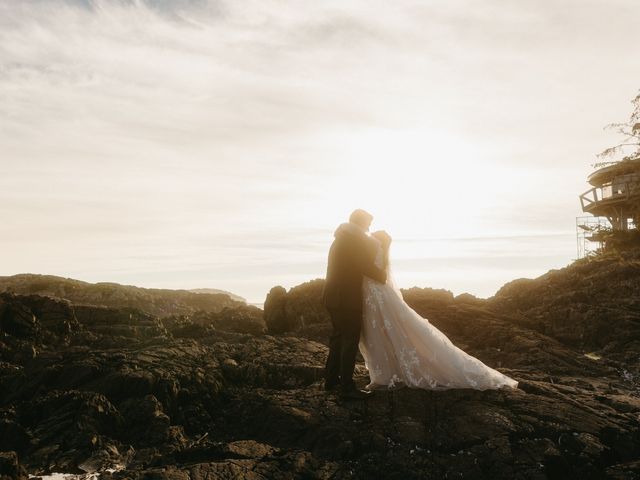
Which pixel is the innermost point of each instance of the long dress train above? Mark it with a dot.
(400, 347)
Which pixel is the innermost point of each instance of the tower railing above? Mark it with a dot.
(609, 193)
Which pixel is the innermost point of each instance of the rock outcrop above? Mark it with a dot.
(155, 301)
(590, 305)
(275, 314)
(204, 396)
(300, 311)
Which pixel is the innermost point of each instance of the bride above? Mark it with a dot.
(401, 348)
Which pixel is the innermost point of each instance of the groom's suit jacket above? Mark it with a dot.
(351, 256)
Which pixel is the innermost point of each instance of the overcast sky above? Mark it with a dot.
(188, 144)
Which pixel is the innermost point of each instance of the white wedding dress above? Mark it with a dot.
(401, 348)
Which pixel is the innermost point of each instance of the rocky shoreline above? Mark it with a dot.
(233, 394)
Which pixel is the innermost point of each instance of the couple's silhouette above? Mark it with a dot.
(367, 310)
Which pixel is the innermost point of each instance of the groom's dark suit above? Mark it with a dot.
(351, 257)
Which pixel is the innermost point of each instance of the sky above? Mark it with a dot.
(218, 144)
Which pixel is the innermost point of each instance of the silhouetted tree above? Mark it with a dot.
(631, 132)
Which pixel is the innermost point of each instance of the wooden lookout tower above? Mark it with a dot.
(615, 194)
(613, 201)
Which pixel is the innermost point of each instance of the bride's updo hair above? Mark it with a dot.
(385, 240)
(383, 237)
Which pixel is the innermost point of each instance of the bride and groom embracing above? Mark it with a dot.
(367, 310)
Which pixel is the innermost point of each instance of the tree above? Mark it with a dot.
(631, 132)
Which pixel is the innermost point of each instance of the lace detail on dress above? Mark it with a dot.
(402, 348)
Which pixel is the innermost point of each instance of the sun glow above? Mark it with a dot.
(219, 144)
(417, 182)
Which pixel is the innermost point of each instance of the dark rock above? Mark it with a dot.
(426, 298)
(155, 301)
(275, 315)
(119, 322)
(13, 436)
(147, 424)
(209, 395)
(244, 319)
(304, 308)
(56, 317)
(589, 305)
(10, 468)
(184, 327)
(18, 319)
(69, 428)
(469, 299)
(299, 310)
(624, 471)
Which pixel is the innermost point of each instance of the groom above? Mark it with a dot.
(351, 257)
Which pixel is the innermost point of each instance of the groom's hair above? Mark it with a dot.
(361, 217)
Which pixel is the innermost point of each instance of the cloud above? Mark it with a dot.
(142, 135)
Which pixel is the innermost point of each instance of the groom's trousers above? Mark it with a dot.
(343, 346)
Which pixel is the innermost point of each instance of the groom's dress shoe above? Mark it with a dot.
(353, 393)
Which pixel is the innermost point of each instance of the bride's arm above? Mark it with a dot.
(370, 269)
(376, 273)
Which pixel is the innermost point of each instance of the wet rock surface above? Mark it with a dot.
(122, 392)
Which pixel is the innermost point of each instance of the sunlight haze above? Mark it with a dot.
(215, 144)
